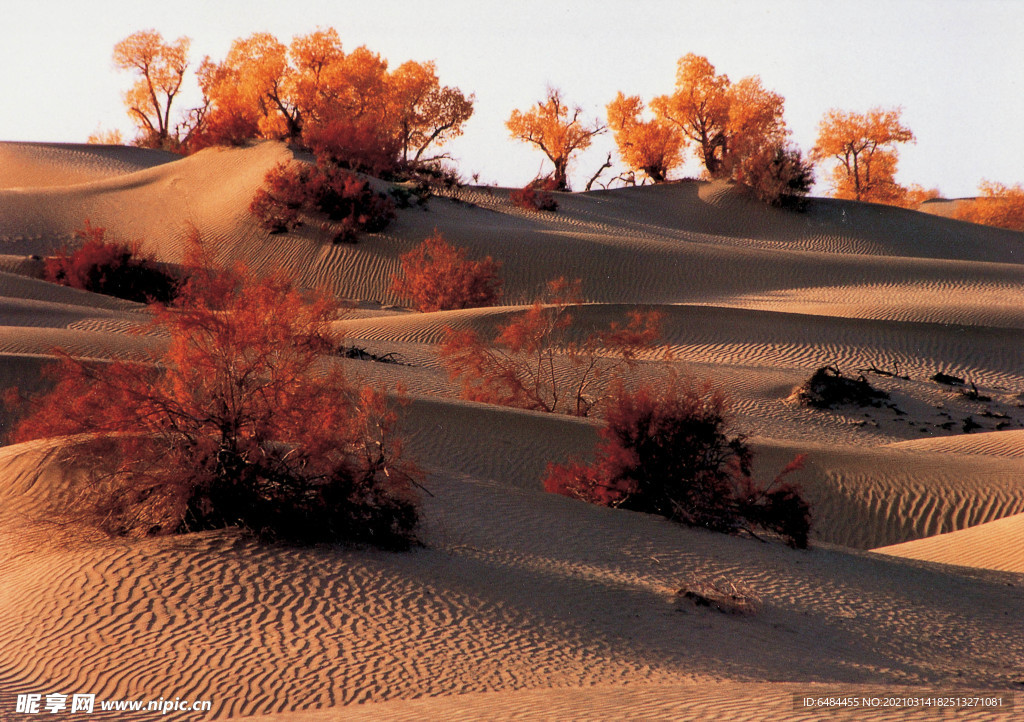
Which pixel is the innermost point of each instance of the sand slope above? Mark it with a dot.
(522, 604)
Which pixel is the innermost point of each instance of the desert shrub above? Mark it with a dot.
(241, 421)
(536, 196)
(828, 387)
(777, 175)
(536, 362)
(408, 194)
(438, 277)
(222, 127)
(917, 195)
(113, 269)
(670, 454)
(291, 190)
(720, 593)
(280, 202)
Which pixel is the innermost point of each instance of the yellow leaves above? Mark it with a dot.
(160, 67)
(864, 144)
(426, 112)
(652, 147)
(556, 129)
(728, 122)
(313, 85)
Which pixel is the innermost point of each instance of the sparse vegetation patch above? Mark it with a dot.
(828, 388)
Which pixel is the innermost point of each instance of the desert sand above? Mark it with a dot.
(522, 604)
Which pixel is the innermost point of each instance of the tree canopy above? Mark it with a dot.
(309, 92)
(160, 69)
(557, 129)
(652, 147)
(864, 144)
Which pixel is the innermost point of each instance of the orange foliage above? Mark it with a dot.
(653, 147)
(556, 129)
(358, 144)
(998, 205)
(348, 104)
(865, 146)
(215, 430)
(536, 363)
(668, 453)
(699, 107)
(438, 277)
(106, 137)
(160, 67)
(915, 195)
(738, 130)
(755, 125)
(425, 112)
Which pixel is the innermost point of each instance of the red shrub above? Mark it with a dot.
(280, 202)
(113, 269)
(291, 190)
(438, 277)
(536, 362)
(669, 454)
(215, 430)
(347, 198)
(536, 196)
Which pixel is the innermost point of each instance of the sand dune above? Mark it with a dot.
(520, 604)
(45, 165)
(995, 545)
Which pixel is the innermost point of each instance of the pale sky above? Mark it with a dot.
(955, 66)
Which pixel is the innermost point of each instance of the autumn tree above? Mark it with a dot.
(699, 107)
(755, 126)
(557, 130)
(669, 452)
(538, 361)
(737, 129)
(864, 144)
(241, 420)
(347, 105)
(997, 205)
(652, 147)
(160, 69)
(438, 276)
(425, 112)
(251, 91)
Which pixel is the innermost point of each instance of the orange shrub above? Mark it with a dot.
(438, 277)
(535, 363)
(535, 196)
(669, 453)
(215, 430)
(113, 269)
